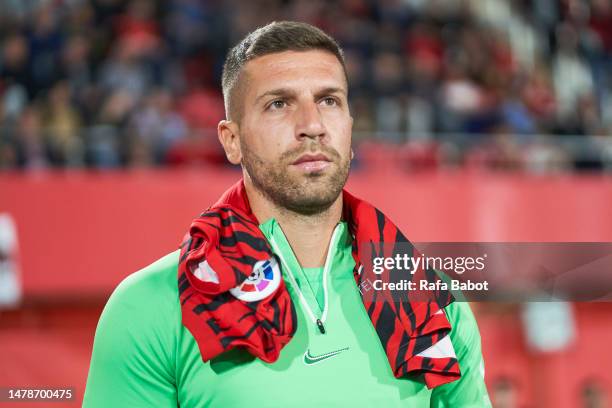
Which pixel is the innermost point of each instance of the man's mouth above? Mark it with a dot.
(312, 162)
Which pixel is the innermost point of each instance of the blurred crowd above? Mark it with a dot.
(497, 83)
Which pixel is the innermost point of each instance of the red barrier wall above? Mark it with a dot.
(81, 232)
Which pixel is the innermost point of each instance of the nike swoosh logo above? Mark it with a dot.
(309, 359)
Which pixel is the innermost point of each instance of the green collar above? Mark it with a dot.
(304, 284)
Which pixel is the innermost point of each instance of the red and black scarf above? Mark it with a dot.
(228, 238)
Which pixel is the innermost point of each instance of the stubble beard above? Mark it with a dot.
(309, 194)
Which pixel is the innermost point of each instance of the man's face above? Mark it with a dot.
(295, 128)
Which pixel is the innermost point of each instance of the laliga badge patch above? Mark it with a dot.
(262, 282)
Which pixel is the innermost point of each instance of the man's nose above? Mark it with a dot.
(309, 122)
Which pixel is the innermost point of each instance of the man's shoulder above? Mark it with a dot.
(160, 276)
(149, 291)
(134, 353)
(460, 312)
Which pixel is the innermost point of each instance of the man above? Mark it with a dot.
(262, 305)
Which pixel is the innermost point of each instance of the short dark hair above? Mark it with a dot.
(273, 38)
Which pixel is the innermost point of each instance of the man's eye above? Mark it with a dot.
(329, 101)
(279, 104)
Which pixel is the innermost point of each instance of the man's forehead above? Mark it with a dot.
(271, 70)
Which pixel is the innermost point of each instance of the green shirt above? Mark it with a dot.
(144, 357)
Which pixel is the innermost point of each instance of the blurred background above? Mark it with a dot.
(475, 120)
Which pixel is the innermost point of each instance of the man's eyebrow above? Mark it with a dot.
(330, 90)
(275, 92)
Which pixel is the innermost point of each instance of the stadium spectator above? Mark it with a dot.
(100, 74)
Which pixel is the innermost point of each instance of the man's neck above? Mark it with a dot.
(308, 235)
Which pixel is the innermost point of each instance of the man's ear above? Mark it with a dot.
(352, 152)
(227, 131)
